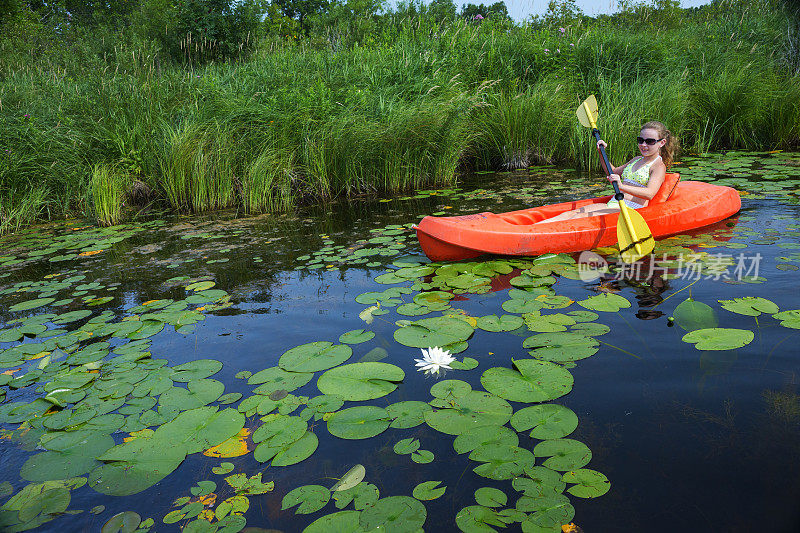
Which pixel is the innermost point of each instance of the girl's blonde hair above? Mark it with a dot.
(671, 147)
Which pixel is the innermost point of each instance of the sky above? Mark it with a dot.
(522, 9)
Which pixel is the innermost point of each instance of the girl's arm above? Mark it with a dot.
(614, 170)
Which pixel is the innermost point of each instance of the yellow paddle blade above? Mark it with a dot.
(587, 112)
(633, 234)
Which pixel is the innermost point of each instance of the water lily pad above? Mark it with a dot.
(356, 336)
(485, 436)
(69, 454)
(588, 483)
(540, 481)
(563, 454)
(533, 381)
(350, 479)
(275, 378)
(561, 347)
(750, 306)
(309, 498)
(360, 422)
(490, 497)
(438, 331)
(450, 388)
(315, 356)
(297, 451)
(501, 323)
(547, 513)
(501, 461)
(719, 338)
(340, 521)
(478, 519)
(200, 286)
(548, 323)
(472, 410)
(606, 301)
(406, 446)
(548, 421)
(198, 393)
(360, 381)
(428, 490)
(31, 304)
(407, 414)
(691, 315)
(789, 319)
(394, 514)
(199, 369)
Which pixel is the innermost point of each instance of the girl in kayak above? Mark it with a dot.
(640, 178)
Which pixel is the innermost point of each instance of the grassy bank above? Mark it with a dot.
(422, 101)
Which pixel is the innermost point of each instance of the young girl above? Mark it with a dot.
(640, 178)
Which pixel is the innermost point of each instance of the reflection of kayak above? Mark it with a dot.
(692, 204)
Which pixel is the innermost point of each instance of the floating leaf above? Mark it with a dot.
(356, 336)
(223, 468)
(428, 490)
(473, 410)
(310, 498)
(501, 461)
(274, 379)
(235, 446)
(407, 414)
(691, 315)
(477, 518)
(341, 521)
(719, 338)
(360, 381)
(501, 323)
(561, 347)
(314, 356)
(789, 319)
(547, 513)
(563, 454)
(395, 513)
(203, 488)
(439, 331)
(535, 381)
(605, 302)
(69, 454)
(484, 436)
(31, 304)
(749, 306)
(360, 422)
(125, 522)
(450, 388)
(297, 451)
(406, 446)
(350, 479)
(540, 481)
(490, 497)
(422, 456)
(549, 421)
(588, 483)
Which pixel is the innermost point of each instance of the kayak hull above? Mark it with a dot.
(692, 205)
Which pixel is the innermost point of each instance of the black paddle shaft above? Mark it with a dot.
(618, 196)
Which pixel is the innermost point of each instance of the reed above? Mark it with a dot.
(108, 188)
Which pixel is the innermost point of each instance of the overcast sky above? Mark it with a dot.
(522, 9)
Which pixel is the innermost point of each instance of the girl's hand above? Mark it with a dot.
(614, 177)
(602, 143)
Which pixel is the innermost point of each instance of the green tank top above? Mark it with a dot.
(641, 175)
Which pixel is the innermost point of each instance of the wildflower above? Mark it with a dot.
(546, 50)
(558, 50)
(562, 30)
(26, 115)
(433, 359)
(572, 44)
(478, 17)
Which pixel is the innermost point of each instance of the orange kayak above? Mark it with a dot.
(690, 205)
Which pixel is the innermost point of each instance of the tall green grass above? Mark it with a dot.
(411, 105)
(108, 188)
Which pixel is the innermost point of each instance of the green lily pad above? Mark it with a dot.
(199, 392)
(361, 381)
(69, 454)
(356, 336)
(490, 497)
(350, 479)
(533, 381)
(422, 456)
(606, 301)
(501, 461)
(588, 483)
(563, 454)
(360, 422)
(561, 347)
(394, 514)
(750, 306)
(428, 490)
(502, 323)
(297, 451)
(719, 338)
(315, 356)
(548, 323)
(450, 388)
(691, 315)
(31, 304)
(309, 498)
(438, 331)
(478, 519)
(547, 513)
(406, 446)
(124, 522)
(275, 379)
(407, 414)
(485, 436)
(540, 481)
(341, 521)
(548, 421)
(199, 369)
(789, 319)
(472, 410)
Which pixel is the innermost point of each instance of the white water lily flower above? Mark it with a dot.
(433, 359)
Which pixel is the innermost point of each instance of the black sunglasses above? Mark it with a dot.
(648, 142)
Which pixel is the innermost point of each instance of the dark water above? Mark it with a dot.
(690, 440)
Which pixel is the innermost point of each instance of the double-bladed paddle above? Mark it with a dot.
(635, 238)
